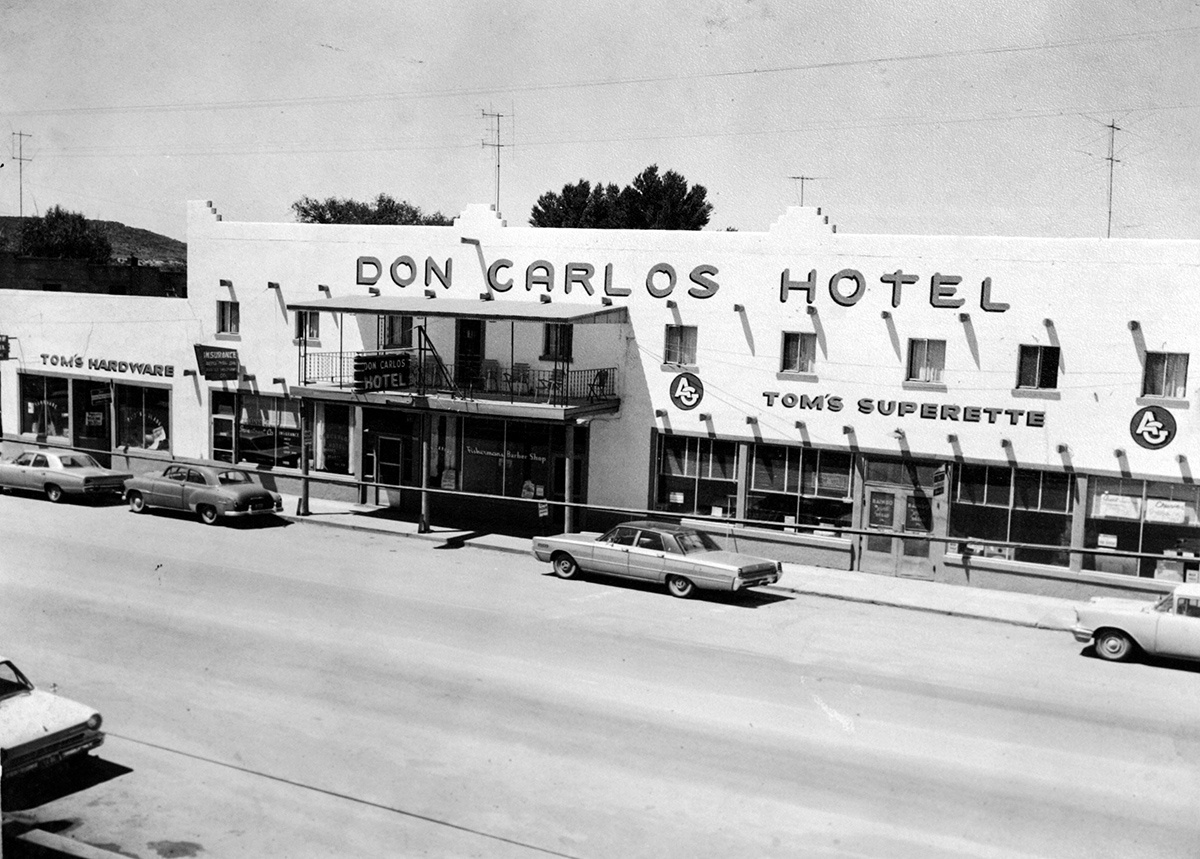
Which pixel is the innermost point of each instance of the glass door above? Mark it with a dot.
(92, 421)
(898, 502)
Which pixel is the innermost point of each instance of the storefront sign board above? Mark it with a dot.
(217, 364)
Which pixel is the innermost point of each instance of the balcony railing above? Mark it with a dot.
(482, 380)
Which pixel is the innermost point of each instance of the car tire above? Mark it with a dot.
(1113, 645)
(208, 514)
(54, 492)
(680, 587)
(565, 566)
(137, 504)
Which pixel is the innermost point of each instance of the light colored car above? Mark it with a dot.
(39, 729)
(680, 557)
(61, 472)
(1168, 627)
(211, 493)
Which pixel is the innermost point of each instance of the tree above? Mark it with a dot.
(650, 202)
(64, 235)
(383, 210)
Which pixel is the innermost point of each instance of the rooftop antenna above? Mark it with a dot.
(21, 159)
(1113, 128)
(497, 146)
(802, 180)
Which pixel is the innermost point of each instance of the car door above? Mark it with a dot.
(611, 553)
(33, 476)
(167, 491)
(1179, 632)
(14, 473)
(195, 487)
(647, 556)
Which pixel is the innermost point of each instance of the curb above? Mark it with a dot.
(48, 844)
(491, 547)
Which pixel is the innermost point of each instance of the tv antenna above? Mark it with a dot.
(19, 157)
(497, 146)
(800, 187)
(1113, 128)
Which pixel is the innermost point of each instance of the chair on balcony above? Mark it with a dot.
(516, 380)
(598, 387)
(553, 386)
(489, 374)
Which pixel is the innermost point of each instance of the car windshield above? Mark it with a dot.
(78, 460)
(691, 542)
(12, 681)
(232, 477)
(1166, 604)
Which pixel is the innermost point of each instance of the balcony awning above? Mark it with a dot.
(497, 309)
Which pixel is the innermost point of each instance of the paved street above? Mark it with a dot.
(306, 691)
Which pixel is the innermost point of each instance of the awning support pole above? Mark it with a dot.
(423, 522)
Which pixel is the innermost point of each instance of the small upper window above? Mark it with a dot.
(556, 341)
(397, 332)
(799, 352)
(1038, 367)
(926, 360)
(1165, 375)
(680, 346)
(308, 325)
(227, 317)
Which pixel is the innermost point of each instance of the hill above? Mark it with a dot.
(150, 248)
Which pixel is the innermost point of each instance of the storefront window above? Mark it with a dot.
(1140, 516)
(1018, 505)
(526, 452)
(44, 406)
(333, 450)
(143, 417)
(269, 431)
(799, 486)
(483, 457)
(697, 476)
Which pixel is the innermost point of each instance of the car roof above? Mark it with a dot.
(670, 527)
(1191, 590)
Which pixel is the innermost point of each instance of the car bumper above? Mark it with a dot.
(119, 489)
(43, 758)
(755, 581)
(265, 511)
(1082, 634)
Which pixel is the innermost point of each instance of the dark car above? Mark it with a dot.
(211, 493)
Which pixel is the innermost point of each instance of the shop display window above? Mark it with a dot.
(333, 439)
(803, 487)
(1017, 505)
(1152, 517)
(143, 417)
(44, 406)
(697, 476)
(224, 423)
(268, 431)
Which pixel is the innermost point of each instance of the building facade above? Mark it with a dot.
(1009, 412)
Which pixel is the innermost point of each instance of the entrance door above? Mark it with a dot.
(393, 464)
(92, 419)
(908, 511)
(468, 351)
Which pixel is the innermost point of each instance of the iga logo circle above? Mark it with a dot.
(1152, 427)
(687, 391)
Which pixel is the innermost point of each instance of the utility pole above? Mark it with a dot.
(497, 146)
(802, 180)
(1112, 134)
(21, 159)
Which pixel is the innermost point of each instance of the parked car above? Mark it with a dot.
(59, 473)
(1120, 627)
(681, 557)
(210, 493)
(39, 729)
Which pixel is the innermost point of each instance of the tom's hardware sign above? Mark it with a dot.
(381, 372)
(217, 363)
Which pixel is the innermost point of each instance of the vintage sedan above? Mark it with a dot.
(39, 729)
(209, 492)
(678, 556)
(61, 472)
(1120, 627)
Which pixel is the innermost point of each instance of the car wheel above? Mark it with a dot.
(208, 514)
(1113, 645)
(680, 587)
(137, 503)
(54, 492)
(565, 566)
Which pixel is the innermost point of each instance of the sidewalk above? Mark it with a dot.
(1001, 606)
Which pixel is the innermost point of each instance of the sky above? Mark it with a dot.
(931, 117)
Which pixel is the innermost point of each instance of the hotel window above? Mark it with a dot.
(556, 342)
(697, 475)
(1038, 367)
(1017, 505)
(1165, 375)
(227, 317)
(1140, 516)
(143, 417)
(799, 486)
(799, 352)
(397, 332)
(926, 360)
(680, 346)
(44, 406)
(308, 325)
